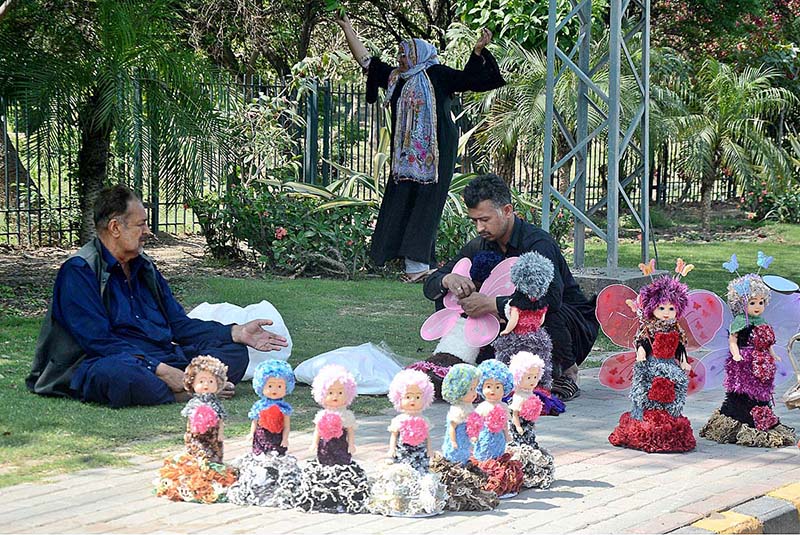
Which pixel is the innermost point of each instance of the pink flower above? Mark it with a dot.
(202, 419)
(531, 409)
(474, 425)
(497, 419)
(414, 431)
(350, 243)
(764, 418)
(330, 426)
(280, 233)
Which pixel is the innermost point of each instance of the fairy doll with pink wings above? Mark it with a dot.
(749, 359)
(660, 324)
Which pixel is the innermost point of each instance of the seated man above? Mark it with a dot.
(114, 334)
(570, 319)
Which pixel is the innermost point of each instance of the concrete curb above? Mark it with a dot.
(776, 512)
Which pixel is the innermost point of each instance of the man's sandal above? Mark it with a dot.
(420, 276)
(565, 388)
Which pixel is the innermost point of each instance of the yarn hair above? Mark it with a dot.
(757, 288)
(205, 363)
(494, 369)
(483, 262)
(278, 369)
(457, 382)
(523, 362)
(406, 378)
(330, 375)
(664, 290)
(532, 275)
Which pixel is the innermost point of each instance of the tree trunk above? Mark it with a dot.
(11, 167)
(706, 190)
(504, 165)
(92, 162)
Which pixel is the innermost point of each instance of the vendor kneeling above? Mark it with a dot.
(114, 334)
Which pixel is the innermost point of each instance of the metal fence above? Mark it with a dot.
(38, 181)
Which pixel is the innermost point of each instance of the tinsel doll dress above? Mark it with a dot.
(538, 465)
(197, 474)
(267, 476)
(333, 482)
(655, 423)
(464, 482)
(490, 455)
(746, 416)
(407, 487)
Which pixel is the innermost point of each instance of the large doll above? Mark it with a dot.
(198, 474)
(267, 476)
(407, 488)
(746, 416)
(660, 380)
(334, 482)
(464, 481)
(505, 474)
(526, 407)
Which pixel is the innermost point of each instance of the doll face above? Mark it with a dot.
(755, 305)
(665, 311)
(530, 379)
(412, 399)
(492, 390)
(335, 396)
(275, 388)
(472, 393)
(205, 383)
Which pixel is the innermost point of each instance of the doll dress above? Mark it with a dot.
(504, 473)
(415, 455)
(538, 465)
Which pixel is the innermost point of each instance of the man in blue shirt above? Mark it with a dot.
(114, 333)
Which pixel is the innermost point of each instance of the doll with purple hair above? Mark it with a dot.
(407, 487)
(333, 482)
(537, 464)
(746, 416)
(660, 373)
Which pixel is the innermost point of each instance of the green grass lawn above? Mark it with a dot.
(41, 436)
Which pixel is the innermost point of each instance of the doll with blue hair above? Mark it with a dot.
(464, 481)
(267, 476)
(505, 474)
(537, 463)
(333, 482)
(407, 487)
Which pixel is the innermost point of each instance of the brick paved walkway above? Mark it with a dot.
(598, 488)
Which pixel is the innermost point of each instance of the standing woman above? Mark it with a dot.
(424, 142)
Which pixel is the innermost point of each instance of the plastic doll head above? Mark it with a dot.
(748, 289)
(663, 290)
(497, 372)
(459, 383)
(532, 275)
(527, 369)
(420, 386)
(665, 311)
(334, 387)
(273, 379)
(212, 367)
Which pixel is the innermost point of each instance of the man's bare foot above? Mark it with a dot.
(182, 397)
(228, 391)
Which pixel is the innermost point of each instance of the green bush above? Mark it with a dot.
(762, 202)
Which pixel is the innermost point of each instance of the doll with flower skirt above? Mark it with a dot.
(267, 476)
(746, 416)
(505, 474)
(464, 481)
(333, 482)
(198, 474)
(406, 487)
(537, 463)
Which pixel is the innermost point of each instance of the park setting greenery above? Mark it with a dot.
(202, 106)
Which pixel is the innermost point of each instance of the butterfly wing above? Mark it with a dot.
(697, 376)
(438, 324)
(499, 280)
(714, 364)
(783, 315)
(617, 370)
(480, 331)
(616, 318)
(462, 268)
(703, 318)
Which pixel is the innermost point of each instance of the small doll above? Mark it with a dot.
(407, 488)
(333, 482)
(537, 463)
(505, 474)
(532, 276)
(464, 482)
(267, 476)
(660, 379)
(198, 474)
(746, 416)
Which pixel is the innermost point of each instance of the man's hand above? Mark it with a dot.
(477, 304)
(483, 40)
(458, 284)
(172, 376)
(253, 335)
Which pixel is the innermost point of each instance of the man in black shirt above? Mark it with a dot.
(570, 319)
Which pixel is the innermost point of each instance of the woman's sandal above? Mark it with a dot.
(411, 278)
(565, 388)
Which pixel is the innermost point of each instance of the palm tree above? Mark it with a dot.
(722, 117)
(119, 73)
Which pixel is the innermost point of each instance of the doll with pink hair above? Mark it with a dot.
(333, 482)
(407, 488)
(526, 407)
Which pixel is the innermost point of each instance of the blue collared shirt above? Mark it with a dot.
(134, 324)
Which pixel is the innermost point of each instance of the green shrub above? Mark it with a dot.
(763, 202)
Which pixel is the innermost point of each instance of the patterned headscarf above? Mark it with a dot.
(415, 144)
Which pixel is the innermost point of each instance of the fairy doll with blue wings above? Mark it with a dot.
(744, 360)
